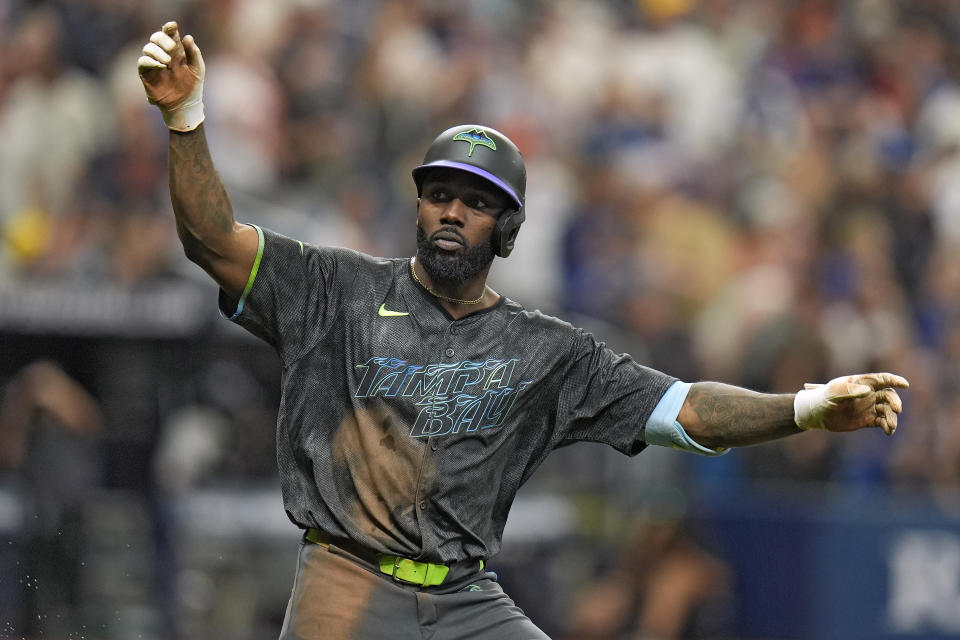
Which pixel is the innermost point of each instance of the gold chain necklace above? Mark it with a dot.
(413, 272)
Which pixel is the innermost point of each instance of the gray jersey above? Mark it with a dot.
(410, 432)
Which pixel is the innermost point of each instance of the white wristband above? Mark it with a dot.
(809, 406)
(185, 117)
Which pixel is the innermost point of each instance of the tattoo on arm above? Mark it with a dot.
(721, 415)
(200, 201)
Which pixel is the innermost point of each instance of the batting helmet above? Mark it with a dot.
(491, 155)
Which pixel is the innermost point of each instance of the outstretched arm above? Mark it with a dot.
(718, 415)
(172, 72)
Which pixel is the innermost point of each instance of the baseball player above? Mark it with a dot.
(417, 400)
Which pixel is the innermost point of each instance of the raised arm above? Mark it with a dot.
(719, 415)
(172, 72)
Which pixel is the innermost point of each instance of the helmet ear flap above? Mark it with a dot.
(505, 232)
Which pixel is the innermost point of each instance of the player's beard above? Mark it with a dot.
(452, 268)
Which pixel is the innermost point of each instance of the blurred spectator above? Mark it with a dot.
(664, 586)
(678, 65)
(53, 120)
(42, 394)
(244, 97)
(47, 428)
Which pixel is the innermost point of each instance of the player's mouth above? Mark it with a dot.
(448, 240)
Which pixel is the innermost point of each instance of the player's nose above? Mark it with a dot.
(454, 212)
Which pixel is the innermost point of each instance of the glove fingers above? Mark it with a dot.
(163, 41)
(843, 388)
(172, 34)
(891, 398)
(172, 30)
(146, 63)
(154, 51)
(887, 420)
(880, 380)
(882, 423)
(192, 51)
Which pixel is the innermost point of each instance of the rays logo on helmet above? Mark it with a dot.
(475, 137)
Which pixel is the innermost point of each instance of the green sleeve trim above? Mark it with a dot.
(256, 263)
(253, 272)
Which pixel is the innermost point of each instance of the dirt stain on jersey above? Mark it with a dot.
(385, 468)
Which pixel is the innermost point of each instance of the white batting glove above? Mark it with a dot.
(172, 73)
(850, 402)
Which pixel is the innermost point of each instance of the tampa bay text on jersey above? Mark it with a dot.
(454, 397)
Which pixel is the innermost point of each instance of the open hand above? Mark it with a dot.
(851, 402)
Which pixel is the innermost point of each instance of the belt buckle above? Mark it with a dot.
(396, 566)
(433, 574)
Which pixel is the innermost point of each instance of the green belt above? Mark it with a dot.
(427, 574)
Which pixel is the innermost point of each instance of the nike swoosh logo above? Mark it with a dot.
(387, 313)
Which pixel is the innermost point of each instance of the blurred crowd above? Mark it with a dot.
(762, 193)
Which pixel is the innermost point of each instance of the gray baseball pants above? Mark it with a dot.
(337, 596)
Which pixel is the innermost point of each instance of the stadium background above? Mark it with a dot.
(761, 192)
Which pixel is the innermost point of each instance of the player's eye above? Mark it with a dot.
(487, 204)
(438, 195)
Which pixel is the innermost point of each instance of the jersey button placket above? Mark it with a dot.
(450, 351)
